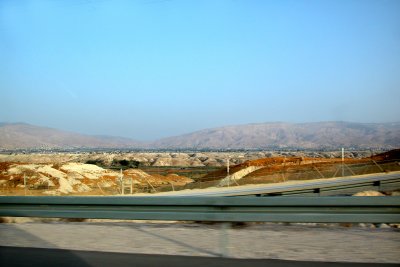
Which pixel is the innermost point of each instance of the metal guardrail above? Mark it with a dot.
(345, 185)
(320, 187)
(272, 209)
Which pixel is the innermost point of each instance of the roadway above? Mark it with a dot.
(299, 242)
(21, 257)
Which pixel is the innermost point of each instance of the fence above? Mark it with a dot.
(263, 176)
(300, 172)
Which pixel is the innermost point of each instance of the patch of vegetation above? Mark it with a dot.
(125, 163)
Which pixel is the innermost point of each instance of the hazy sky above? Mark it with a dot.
(148, 69)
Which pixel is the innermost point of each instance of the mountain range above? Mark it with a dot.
(316, 135)
(24, 136)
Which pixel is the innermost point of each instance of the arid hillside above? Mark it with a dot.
(77, 178)
(316, 136)
(164, 159)
(281, 169)
(327, 135)
(23, 136)
(60, 174)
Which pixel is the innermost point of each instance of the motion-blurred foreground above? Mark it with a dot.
(299, 242)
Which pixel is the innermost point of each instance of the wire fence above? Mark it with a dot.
(205, 177)
(272, 174)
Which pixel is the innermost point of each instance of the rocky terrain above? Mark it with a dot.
(76, 178)
(100, 173)
(280, 135)
(181, 159)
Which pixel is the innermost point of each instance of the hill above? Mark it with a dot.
(23, 136)
(319, 135)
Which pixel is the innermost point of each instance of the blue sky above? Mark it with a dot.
(148, 69)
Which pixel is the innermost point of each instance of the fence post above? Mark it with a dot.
(25, 184)
(121, 178)
(380, 168)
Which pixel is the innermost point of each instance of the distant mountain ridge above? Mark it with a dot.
(23, 136)
(316, 135)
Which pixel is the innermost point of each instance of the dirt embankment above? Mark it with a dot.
(268, 166)
(74, 178)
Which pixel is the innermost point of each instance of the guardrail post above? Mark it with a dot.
(224, 240)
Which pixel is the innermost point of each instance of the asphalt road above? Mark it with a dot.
(18, 256)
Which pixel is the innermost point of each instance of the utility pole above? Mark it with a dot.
(342, 162)
(227, 165)
(227, 171)
(122, 182)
